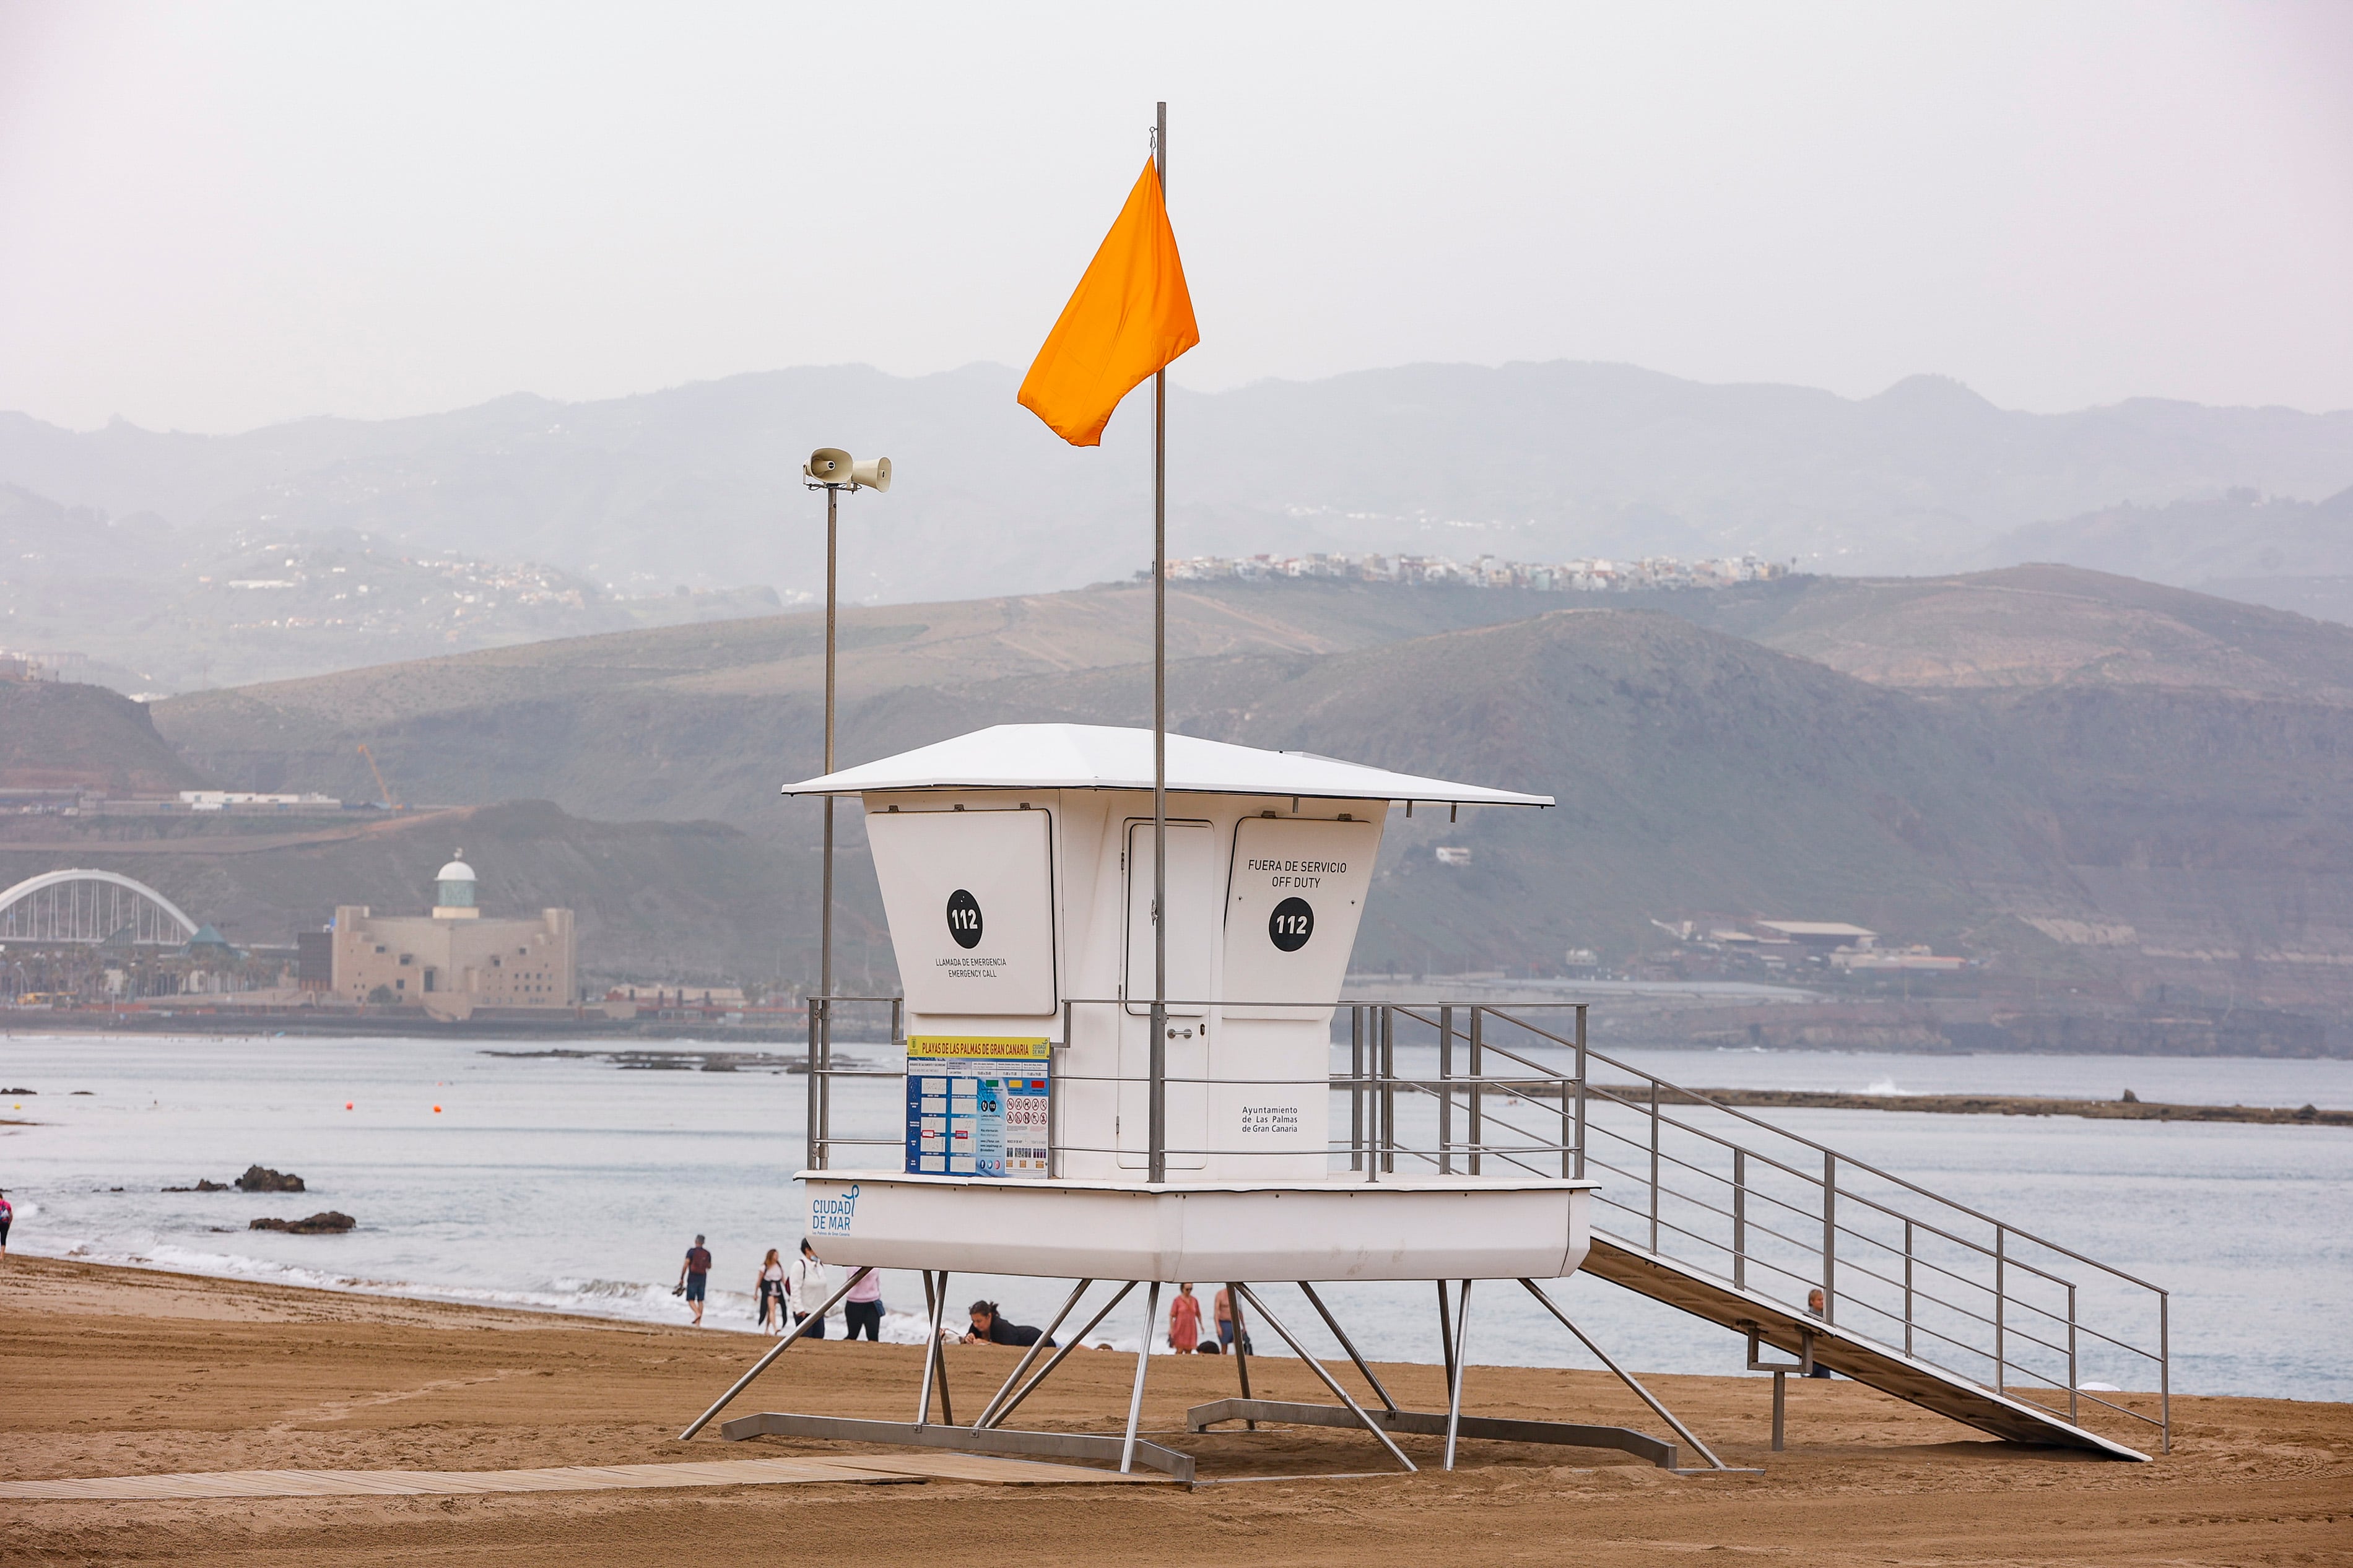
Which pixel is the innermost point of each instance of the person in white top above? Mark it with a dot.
(810, 1284)
(771, 1289)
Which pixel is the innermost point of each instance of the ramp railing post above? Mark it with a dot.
(2001, 1293)
(1577, 1142)
(1477, 1067)
(1739, 1218)
(1907, 1286)
(1830, 1236)
(1446, 1092)
(1655, 1165)
(2165, 1371)
(2072, 1411)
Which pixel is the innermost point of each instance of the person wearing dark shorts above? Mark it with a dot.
(861, 1310)
(694, 1275)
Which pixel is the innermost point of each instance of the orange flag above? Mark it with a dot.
(1130, 316)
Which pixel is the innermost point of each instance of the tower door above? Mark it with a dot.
(1195, 903)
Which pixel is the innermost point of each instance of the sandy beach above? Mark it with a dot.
(115, 1372)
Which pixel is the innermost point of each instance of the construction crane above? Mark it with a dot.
(382, 788)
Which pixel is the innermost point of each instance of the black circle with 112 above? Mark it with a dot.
(964, 919)
(1292, 923)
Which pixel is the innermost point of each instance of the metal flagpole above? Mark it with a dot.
(1158, 1170)
(822, 1045)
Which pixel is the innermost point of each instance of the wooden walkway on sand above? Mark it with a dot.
(870, 1469)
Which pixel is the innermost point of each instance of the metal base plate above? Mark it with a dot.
(1432, 1424)
(1176, 1467)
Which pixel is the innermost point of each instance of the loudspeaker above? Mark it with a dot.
(828, 465)
(871, 473)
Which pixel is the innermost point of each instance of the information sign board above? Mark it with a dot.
(978, 1106)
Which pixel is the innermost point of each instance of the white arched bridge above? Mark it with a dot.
(87, 908)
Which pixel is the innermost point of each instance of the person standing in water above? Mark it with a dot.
(694, 1277)
(1184, 1321)
(771, 1285)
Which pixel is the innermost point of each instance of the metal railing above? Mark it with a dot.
(1701, 1185)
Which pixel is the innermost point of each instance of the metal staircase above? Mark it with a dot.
(1719, 1214)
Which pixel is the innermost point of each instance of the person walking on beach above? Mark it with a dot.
(861, 1310)
(693, 1276)
(772, 1290)
(7, 1212)
(809, 1288)
(1815, 1305)
(1184, 1321)
(1224, 1306)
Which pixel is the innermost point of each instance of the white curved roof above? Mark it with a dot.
(455, 871)
(1098, 756)
(31, 884)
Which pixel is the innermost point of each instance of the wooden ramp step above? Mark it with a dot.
(871, 1470)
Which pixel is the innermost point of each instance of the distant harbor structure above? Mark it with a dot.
(455, 959)
(1587, 575)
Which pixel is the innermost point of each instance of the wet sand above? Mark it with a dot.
(113, 1371)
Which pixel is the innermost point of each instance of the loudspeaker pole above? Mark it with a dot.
(822, 1051)
(1158, 1164)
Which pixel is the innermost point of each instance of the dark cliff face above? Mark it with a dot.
(64, 735)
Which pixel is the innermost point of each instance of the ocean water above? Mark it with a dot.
(574, 1184)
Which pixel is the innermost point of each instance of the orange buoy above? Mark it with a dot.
(437, 1110)
(347, 1105)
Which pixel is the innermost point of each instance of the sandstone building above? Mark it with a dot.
(454, 960)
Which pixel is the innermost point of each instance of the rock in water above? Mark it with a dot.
(331, 1221)
(262, 1179)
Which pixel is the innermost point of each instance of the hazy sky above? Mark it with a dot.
(217, 215)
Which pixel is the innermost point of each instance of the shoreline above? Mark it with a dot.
(114, 1371)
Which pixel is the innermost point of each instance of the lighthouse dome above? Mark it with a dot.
(453, 891)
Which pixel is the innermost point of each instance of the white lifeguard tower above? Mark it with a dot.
(1042, 1138)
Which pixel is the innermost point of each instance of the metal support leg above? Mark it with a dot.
(1241, 1340)
(780, 1347)
(1032, 1353)
(1143, 1361)
(1445, 1335)
(1333, 1324)
(1780, 1405)
(1461, 1354)
(1030, 1387)
(935, 1371)
(1329, 1381)
(1661, 1411)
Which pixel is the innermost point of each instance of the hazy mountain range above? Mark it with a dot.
(2087, 781)
(700, 484)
